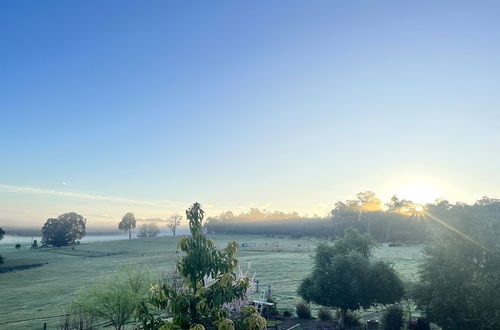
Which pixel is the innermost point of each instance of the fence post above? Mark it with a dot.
(45, 326)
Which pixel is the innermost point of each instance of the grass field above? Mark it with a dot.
(48, 289)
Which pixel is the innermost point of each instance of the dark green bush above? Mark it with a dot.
(302, 310)
(325, 314)
(393, 318)
(287, 314)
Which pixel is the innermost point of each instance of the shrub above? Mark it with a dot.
(287, 314)
(115, 299)
(302, 310)
(393, 318)
(351, 319)
(325, 314)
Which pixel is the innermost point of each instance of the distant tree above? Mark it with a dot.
(198, 306)
(66, 229)
(34, 245)
(18, 246)
(128, 223)
(153, 230)
(143, 231)
(173, 222)
(148, 230)
(344, 277)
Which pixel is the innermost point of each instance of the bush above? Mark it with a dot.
(351, 319)
(115, 299)
(393, 318)
(303, 311)
(325, 314)
(287, 314)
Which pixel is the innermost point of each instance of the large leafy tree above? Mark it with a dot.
(209, 282)
(66, 229)
(128, 223)
(345, 277)
(460, 277)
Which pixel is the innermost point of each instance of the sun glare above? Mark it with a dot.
(418, 193)
(419, 208)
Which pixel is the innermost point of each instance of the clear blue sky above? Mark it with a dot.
(111, 106)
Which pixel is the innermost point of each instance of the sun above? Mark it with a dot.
(419, 208)
(418, 193)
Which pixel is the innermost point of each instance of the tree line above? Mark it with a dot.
(398, 220)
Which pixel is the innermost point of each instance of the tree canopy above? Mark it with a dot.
(344, 277)
(128, 223)
(459, 279)
(66, 229)
(148, 230)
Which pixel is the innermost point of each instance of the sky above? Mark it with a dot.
(108, 107)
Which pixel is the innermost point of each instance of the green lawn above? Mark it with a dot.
(47, 290)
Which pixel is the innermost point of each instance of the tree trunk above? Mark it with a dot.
(129, 235)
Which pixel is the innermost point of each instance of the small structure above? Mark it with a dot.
(262, 304)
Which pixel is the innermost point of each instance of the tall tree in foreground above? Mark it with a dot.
(128, 223)
(460, 276)
(344, 277)
(210, 281)
(66, 229)
(2, 233)
(173, 222)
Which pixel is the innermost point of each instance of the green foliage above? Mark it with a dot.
(459, 279)
(302, 310)
(128, 223)
(344, 277)
(249, 319)
(198, 303)
(393, 318)
(325, 314)
(66, 229)
(117, 298)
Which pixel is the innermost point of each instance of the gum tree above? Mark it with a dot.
(128, 223)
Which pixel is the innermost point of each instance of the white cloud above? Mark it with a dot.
(88, 196)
